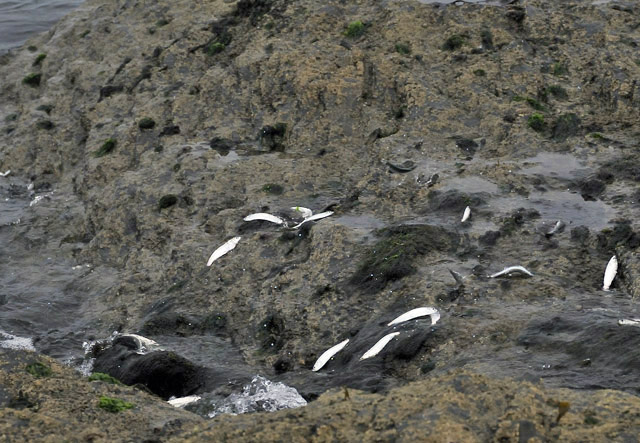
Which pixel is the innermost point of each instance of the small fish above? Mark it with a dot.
(512, 269)
(631, 322)
(222, 250)
(30, 187)
(314, 218)
(610, 273)
(265, 217)
(326, 355)
(457, 277)
(4, 174)
(466, 215)
(181, 402)
(143, 342)
(418, 312)
(375, 350)
(557, 228)
(305, 212)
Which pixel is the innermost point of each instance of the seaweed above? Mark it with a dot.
(32, 79)
(453, 42)
(107, 147)
(146, 123)
(167, 201)
(39, 370)
(100, 376)
(354, 29)
(536, 122)
(113, 405)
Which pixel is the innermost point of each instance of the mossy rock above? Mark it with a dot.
(393, 256)
(46, 125)
(107, 147)
(32, 79)
(39, 59)
(354, 29)
(273, 188)
(558, 92)
(11, 118)
(480, 73)
(453, 42)
(114, 405)
(39, 370)
(215, 48)
(559, 69)
(536, 122)
(167, 201)
(99, 376)
(45, 108)
(566, 125)
(272, 137)
(146, 123)
(403, 48)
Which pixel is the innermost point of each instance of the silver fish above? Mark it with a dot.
(415, 313)
(457, 277)
(181, 402)
(222, 250)
(610, 273)
(326, 355)
(557, 228)
(314, 218)
(305, 212)
(375, 350)
(466, 215)
(265, 217)
(511, 270)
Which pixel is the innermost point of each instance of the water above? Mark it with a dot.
(21, 19)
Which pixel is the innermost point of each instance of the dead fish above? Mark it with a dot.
(466, 215)
(314, 218)
(181, 402)
(222, 250)
(432, 180)
(511, 270)
(4, 174)
(407, 166)
(326, 355)
(557, 228)
(631, 322)
(144, 344)
(418, 312)
(457, 277)
(375, 350)
(305, 212)
(610, 273)
(265, 217)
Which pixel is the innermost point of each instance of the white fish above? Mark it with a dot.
(375, 350)
(466, 215)
(4, 174)
(326, 355)
(558, 227)
(222, 250)
(314, 218)
(265, 217)
(305, 212)
(632, 322)
(512, 269)
(610, 273)
(181, 402)
(418, 312)
(457, 277)
(144, 343)
(30, 187)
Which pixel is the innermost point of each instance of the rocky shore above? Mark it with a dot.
(138, 136)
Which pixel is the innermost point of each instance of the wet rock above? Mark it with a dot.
(392, 257)
(516, 13)
(591, 189)
(622, 234)
(467, 146)
(489, 238)
(580, 234)
(222, 145)
(170, 130)
(272, 137)
(565, 126)
(517, 219)
(270, 333)
(453, 201)
(109, 90)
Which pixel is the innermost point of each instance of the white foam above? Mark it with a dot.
(9, 341)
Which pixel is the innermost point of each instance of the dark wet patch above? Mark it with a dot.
(167, 201)
(392, 257)
(620, 235)
(489, 238)
(222, 145)
(591, 188)
(565, 126)
(467, 146)
(517, 219)
(627, 168)
(21, 401)
(270, 333)
(109, 90)
(170, 130)
(453, 201)
(580, 234)
(272, 137)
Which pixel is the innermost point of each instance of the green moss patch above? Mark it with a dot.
(393, 256)
(215, 48)
(100, 376)
(558, 92)
(32, 80)
(453, 42)
(559, 69)
(107, 147)
(47, 125)
(39, 370)
(536, 122)
(114, 405)
(403, 48)
(146, 123)
(273, 188)
(565, 126)
(39, 59)
(354, 29)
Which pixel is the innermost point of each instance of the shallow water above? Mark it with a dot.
(21, 19)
